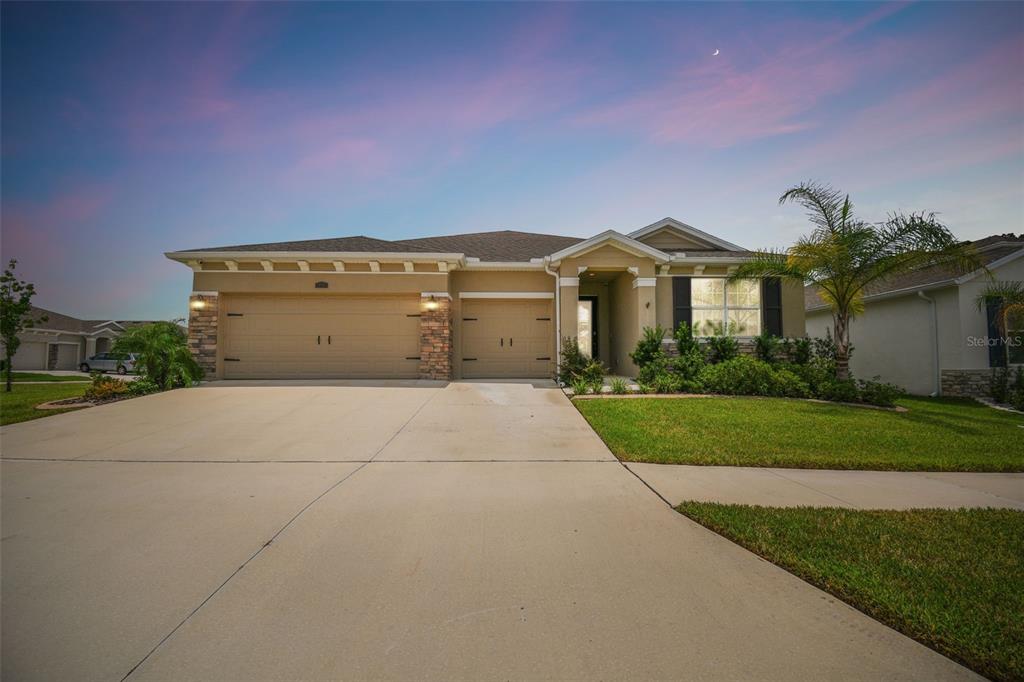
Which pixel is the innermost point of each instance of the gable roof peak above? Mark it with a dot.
(688, 230)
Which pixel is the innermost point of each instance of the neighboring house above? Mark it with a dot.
(483, 305)
(924, 331)
(63, 342)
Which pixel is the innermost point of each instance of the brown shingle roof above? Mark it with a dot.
(988, 253)
(503, 245)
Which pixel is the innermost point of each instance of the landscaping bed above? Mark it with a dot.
(933, 434)
(20, 404)
(951, 579)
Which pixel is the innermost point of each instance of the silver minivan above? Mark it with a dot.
(109, 362)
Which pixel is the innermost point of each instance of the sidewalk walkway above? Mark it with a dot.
(831, 488)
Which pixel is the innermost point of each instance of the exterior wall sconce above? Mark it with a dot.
(432, 304)
(197, 304)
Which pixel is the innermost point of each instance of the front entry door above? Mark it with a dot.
(586, 325)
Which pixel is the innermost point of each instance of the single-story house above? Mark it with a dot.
(482, 305)
(58, 341)
(923, 330)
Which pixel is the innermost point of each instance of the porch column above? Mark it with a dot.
(647, 311)
(569, 297)
(90, 346)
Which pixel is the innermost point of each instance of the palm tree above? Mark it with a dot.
(163, 354)
(844, 255)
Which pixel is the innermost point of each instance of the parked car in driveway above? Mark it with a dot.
(109, 362)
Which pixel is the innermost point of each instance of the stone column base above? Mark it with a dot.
(436, 337)
(203, 313)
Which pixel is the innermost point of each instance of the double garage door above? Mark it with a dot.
(301, 337)
(372, 337)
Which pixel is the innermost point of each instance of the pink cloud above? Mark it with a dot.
(742, 96)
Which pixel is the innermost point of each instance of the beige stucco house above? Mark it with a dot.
(924, 331)
(62, 342)
(482, 305)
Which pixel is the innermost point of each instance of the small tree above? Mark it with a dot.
(163, 354)
(15, 314)
(844, 256)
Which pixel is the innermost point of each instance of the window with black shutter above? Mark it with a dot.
(682, 307)
(771, 305)
(996, 344)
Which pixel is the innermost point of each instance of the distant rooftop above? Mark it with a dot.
(990, 249)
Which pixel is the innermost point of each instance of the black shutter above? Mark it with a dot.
(771, 305)
(682, 307)
(997, 350)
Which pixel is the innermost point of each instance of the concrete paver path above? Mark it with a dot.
(829, 488)
(390, 532)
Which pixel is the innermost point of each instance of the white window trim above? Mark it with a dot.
(725, 307)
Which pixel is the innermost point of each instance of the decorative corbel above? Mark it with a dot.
(339, 266)
(303, 265)
(374, 266)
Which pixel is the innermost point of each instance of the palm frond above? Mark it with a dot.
(1006, 294)
(769, 264)
(823, 203)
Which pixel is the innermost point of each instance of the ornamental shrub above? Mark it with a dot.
(688, 365)
(879, 393)
(105, 388)
(999, 384)
(649, 347)
(619, 386)
(722, 347)
(573, 361)
(685, 342)
(840, 391)
(748, 376)
(1016, 394)
(767, 346)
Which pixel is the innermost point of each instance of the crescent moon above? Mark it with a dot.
(715, 53)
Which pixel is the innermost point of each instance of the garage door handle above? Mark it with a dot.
(318, 339)
(503, 343)
(328, 339)
(510, 342)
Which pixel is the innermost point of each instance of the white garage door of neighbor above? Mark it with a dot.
(30, 355)
(507, 338)
(302, 337)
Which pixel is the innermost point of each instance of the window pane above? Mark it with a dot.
(745, 293)
(584, 328)
(745, 322)
(706, 322)
(706, 291)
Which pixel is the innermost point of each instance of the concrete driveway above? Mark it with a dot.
(468, 531)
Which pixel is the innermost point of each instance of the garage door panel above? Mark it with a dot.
(505, 338)
(360, 337)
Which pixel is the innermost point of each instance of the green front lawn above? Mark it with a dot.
(953, 580)
(19, 405)
(38, 376)
(933, 435)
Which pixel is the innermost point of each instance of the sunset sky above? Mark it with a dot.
(133, 129)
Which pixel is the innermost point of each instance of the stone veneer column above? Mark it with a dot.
(436, 336)
(202, 329)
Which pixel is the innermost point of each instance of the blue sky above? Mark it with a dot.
(131, 129)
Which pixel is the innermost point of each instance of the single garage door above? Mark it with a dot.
(67, 356)
(30, 355)
(507, 338)
(301, 337)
